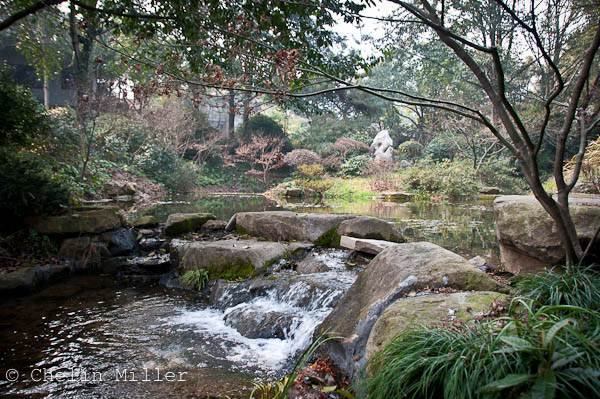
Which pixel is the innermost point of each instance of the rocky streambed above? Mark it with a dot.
(270, 282)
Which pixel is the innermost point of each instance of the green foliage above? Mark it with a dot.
(311, 172)
(578, 286)
(161, 164)
(28, 244)
(537, 351)
(440, 148)
(195, 279)
(502, 175)
(27, 187)
(448, 179)
(22, 118)
(319, 186)
(355, 166)
(265, 125)
(411, 149)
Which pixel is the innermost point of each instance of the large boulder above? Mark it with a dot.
(291, 226)
(226, 259)
(395, 272)
(181, 223)
(27, 279)
(371, 228)
(427, 310)
(79, 220)
(120, 242)
(528, 236)
(259, 323)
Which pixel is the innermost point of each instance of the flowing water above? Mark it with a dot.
(97, 337)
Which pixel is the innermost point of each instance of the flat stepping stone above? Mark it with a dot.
(365, 245)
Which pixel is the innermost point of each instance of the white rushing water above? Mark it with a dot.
(303, 301)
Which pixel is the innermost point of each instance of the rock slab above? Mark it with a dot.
(365, 245)
(395, 272)
(79, 220)
(290, 226)
(227, 258)
(371, 228)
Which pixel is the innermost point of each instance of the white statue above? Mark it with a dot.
(383, 146)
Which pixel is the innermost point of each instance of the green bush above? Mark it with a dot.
(355, 166)
(504, 176)
(184, 177)
(312, 172)
(448, 179)
(411, 149)
(27, 188)
(162, 165)
(440, 148)
(22, 117)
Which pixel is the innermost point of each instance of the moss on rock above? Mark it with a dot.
(180, 223)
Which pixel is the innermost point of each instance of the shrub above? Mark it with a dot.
(311, 172)
(347, 147)
(448, 179)
(22, 117)
(343, 149)
(440, 148)
(502, 175)
(27, 188)
(266, 125)
(184, 177)
(547, 350)
(410, 149)
(195, 279)
(355, 166)
(299, 157)
(319, 186)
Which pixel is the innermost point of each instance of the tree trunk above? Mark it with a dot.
(231, 122)
(246, 115)
(46, 92)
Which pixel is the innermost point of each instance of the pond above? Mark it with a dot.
(467, 228)
(97, 337)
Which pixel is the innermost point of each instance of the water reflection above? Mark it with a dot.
(466, 228)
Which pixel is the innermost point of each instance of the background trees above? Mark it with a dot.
(527, 72)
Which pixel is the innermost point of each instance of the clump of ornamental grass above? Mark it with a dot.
(546, 346)
(195, 279)
(571, 285)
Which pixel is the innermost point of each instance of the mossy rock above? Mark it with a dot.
(145, 221)
(227, 259)
(181, 223)
(78, 220)
(427, 310)
(396, 271)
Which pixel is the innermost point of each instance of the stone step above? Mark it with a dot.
(365, 245)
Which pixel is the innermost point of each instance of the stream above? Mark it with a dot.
(99, 337)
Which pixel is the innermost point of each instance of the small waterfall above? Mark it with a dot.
(265, 323)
